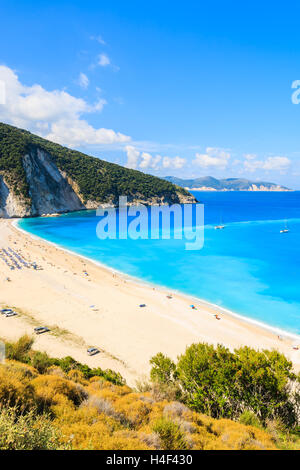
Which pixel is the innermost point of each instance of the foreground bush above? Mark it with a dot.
(75, 411)
(97, 414)
(220, 383)
(171, 435)
(26, 432)
(16, 389)
(20, 349)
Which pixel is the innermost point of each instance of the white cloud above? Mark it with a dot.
(98, 106)
(149, 161)
(155, 161)
(99, 39)
(250, 156)
(2, 92)
(83, 80)
(173, 163)
(132, 157)
(79, 132)
(214, 157)
(55, 115)
(144, 160)
(103, 60)
(277, 163)
(270, 164)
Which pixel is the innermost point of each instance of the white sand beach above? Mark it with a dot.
(101, 309)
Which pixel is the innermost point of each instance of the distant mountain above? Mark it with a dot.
(208, 183)
(38, 176)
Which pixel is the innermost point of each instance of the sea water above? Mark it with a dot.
(249, 267)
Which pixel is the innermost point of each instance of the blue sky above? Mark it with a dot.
(171, 88)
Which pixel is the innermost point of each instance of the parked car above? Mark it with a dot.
(92, 351)
(4, 311)
(11, 314)
(41, 329)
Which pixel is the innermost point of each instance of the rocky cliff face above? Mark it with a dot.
(10, 204)
(52, 191)
(49, 190)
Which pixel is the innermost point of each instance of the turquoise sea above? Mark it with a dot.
(248, 268)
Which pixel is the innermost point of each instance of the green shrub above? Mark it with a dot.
(221, 383)
(249, 419)
(163, 369)
(68, 363)
(19, 350)
(26, 432)
(41, 361)
(170, 434)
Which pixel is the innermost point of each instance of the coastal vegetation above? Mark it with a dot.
(21, 351)
(225, 384)
(96, 179)
(48, 403)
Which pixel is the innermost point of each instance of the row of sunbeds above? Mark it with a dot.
(14, 260)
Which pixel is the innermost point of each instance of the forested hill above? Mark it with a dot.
(38, 176)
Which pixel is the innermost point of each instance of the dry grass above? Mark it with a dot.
(96, 414)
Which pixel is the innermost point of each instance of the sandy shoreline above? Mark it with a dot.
(214, 308)
(102, 309)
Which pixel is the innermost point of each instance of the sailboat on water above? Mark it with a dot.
(221, 226)
(285, 229)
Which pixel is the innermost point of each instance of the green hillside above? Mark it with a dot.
(97, 180)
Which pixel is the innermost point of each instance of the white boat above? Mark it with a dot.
(285, 229)
(221, 226)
